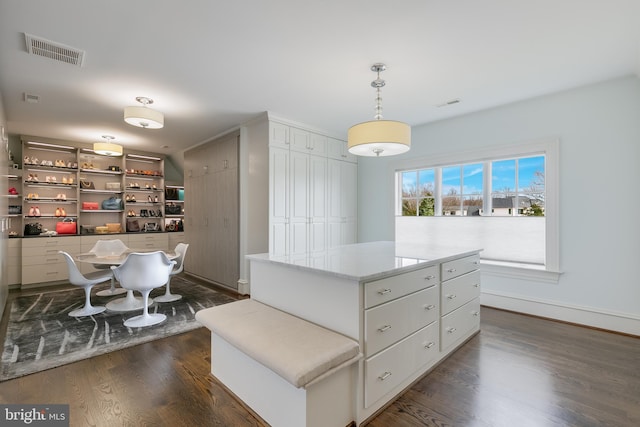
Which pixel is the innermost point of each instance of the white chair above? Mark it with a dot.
(143, 272)
(113, 247)
(87, 281)
(181, 250)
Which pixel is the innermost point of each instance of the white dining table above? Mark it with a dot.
(129, 302)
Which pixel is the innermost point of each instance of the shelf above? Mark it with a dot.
(50, 217)
(48, 200)
(87, 190)
(44, 184)
(42, 168)
(102, 210)
(101, 172)
(174, 216)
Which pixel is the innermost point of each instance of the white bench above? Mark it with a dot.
(289, 371)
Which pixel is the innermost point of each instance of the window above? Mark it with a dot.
(503, 200)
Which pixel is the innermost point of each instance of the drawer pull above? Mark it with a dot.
(476, 262)
(451, 270)
(429, 345)
(451, 296)
(451, 330)
(384, 291)
(384, 328)
(430, 277)
(384, 376)
(429, 307)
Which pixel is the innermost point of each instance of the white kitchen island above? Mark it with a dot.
(408, 306)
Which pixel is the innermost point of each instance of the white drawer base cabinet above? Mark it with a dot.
(408, 307)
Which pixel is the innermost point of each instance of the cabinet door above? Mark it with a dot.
(279, 201)
(278, 135)
(317, 144)
(317, 230)
(298, 140)
(342, 178)
(298, 202)
(227, 250)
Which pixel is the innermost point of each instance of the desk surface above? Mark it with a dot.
(92, 258)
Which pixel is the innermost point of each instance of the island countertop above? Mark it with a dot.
(368, 261)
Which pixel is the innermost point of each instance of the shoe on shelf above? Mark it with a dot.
(127, 198)
(34, 178)
(27, 160)
(32, 211)
(58, 212)
(36, 211)
(147, 187)
(70, 180)
(155, 200)
(35, 196)
(63, 212)
(64, 179)
(63, 196)
(133, 198)
(149, 198)
(13, 191)
(154, 187)
(34, 160)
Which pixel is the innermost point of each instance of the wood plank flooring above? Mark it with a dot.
(519, 371)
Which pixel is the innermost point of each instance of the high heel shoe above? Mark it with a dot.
(32, 211)
(63, 212)
(155, 200)
(149, 198)
(127, 198)
(36, 211)
(58, 213)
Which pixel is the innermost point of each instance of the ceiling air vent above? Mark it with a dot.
(52, 50)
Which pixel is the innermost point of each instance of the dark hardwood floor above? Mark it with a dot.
(519, 371)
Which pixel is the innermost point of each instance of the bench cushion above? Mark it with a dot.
(297, 350)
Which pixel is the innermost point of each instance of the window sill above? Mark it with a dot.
(513, 270)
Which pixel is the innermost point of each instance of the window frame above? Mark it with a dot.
(549, 147)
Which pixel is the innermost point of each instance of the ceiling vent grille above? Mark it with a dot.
(52, 50)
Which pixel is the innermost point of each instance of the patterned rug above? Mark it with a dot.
(41, 335)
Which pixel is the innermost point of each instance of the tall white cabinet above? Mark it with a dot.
(312, 191)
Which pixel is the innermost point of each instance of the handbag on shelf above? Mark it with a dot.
(32, 229)
(90, 206)
(151, 226)
(133, 225)
(66, 226)
(172, 209)
(112, 204)
(171, 194)
(87, 185)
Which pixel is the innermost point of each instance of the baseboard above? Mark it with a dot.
(624, 323)
(243, 287)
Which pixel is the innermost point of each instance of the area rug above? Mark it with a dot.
(41, 335)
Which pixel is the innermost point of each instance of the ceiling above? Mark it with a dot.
(211, 65)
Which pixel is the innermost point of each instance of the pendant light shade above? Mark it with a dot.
(144, 116)
(107, 148)
(379, 137)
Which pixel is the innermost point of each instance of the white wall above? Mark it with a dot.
(599, 131)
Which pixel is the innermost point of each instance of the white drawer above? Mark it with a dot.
(460, 266)
(389, 368)
(45, 273)
(46, 252)
(457, 325)
(390, 322)
(149, 241)
(49, 242)
(459, 291)
(14, 274)
(390, 288)
(90, 241)
(14, 245)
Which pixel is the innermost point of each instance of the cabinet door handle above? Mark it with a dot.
(451, 330)
(384, 291)
(385, 328)
(451, 296)
(384, 376)
(429, 344)
(476, 285)
(476, 262)
(475, 313)
(429, 307)
(451, 270)
(430, 277)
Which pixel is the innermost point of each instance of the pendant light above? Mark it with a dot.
(107, 148)
(144, 116)
(379, 137)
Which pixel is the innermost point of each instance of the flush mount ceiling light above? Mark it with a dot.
(379, 137)
(107, 148)
(144, 116)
